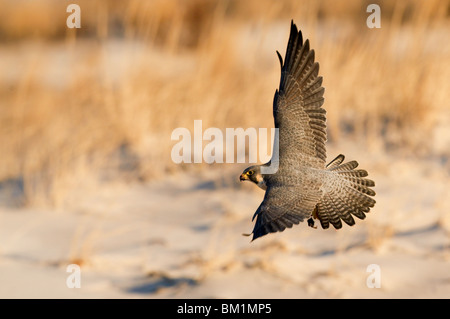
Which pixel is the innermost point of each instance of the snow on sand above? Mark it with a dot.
(181, 238)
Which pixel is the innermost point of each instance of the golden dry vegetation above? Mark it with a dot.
(99, 103)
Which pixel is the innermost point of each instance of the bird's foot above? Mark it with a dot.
(311, 223)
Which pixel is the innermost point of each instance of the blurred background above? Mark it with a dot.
(86, 177)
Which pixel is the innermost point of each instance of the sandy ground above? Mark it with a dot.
(181, 238)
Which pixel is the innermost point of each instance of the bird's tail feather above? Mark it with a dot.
(350, 195)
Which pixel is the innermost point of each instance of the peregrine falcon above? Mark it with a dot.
(303, 187)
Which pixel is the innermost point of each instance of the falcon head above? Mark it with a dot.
(253, 174)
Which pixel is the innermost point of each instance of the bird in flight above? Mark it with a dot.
(303, 186)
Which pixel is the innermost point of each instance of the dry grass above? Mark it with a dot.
(99, 103)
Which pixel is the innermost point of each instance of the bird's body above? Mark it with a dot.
(303, 186)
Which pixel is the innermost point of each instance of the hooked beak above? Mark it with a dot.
(243, 177)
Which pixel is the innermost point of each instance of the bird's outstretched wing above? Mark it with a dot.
(297, 106)
(283, 207)
(301, 138)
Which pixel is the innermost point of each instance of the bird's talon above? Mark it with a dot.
(311, 223)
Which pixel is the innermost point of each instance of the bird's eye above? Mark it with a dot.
(249, 173)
